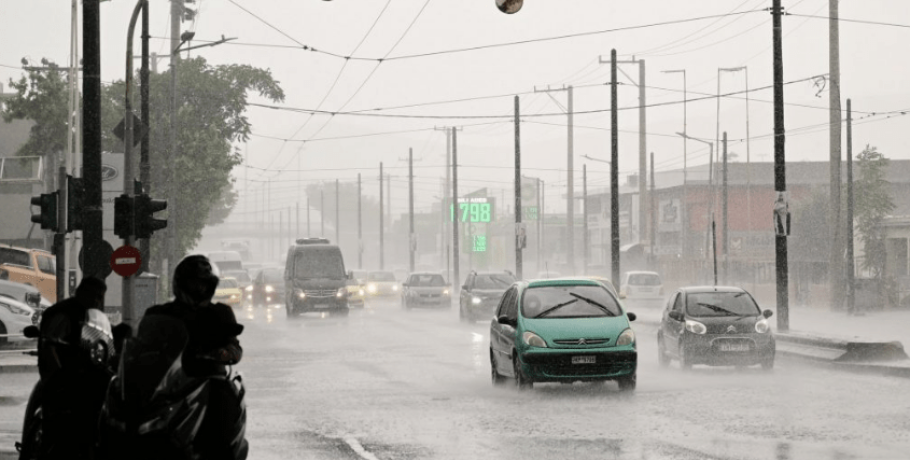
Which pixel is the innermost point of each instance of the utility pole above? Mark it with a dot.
(447, 200)
(412, 238)
(780, 177)
(308, 233)
(614, 169)
(176, 14)
(145, 167)
(851, 288)
(359, 224)
(381, 223)
(456, 254)
(653, 206)
(337, 220)
(836, 271)
(93, 241)
(584, 225)
(726, 229)
(570, 173)
(518, 235)
(684, 208)
(642, 143)
(322, 211)
(539, 224)
(297, 220)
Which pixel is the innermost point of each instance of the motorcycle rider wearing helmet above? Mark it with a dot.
(212, 346)
(73, 378)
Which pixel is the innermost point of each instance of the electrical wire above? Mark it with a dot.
(857, 21)
(682, 41)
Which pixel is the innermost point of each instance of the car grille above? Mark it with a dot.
(745, 345)
(560, 365)
(429, 296)
(320, 293)
(582, 342)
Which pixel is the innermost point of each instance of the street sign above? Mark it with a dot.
(139, 130)
(473, 210)
(126, 261)
(107, 251)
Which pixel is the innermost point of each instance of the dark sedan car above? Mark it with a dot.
(268, 287)
(717, 326)
(481, 293)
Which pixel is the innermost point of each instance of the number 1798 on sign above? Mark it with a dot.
(472, 212)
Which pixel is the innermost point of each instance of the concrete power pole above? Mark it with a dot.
(653, 207)
(851, 289)
(456, 254)
(836, 271)
(359, 224)
(584, 224)
(337, 216)
(614, 169)
(176, 14)
(412, 238)
(726, 229)
(780, 177)
(381, 223)
(518, 238)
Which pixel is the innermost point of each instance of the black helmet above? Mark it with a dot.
(195, 278)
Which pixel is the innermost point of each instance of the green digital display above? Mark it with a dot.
(473, 212)
(480, 243)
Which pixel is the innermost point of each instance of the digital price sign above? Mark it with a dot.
(473, 210)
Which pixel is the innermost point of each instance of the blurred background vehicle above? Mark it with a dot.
(426, 289)
(34, 267)
(382, 283)
(642, 286)
(481, 293)
(15, 316)
(229, 292)
(267, 287)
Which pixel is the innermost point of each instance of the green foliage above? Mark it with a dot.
(872, 203)
(40, 96)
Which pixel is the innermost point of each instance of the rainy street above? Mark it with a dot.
(387, 383)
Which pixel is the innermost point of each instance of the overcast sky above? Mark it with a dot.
(874, 74)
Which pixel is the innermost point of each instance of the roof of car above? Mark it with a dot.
(712, 289)
(426, 273)
(641, 272)
(563, 282)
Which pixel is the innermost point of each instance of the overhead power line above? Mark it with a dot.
(857, 21)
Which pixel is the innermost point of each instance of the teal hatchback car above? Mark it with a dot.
(562, 330)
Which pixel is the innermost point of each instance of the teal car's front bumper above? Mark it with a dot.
(575, 364)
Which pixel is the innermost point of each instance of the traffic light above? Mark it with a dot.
(48, 216)
(75, 203)
(146, 223)
(123, 216)
(188, 13)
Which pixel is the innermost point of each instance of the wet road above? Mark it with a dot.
(386, 383)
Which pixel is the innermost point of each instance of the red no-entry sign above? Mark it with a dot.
(126, 261)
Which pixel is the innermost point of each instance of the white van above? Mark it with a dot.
(226, 260)
(641, 285)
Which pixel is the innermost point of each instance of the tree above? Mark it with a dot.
(872, 203)
(40, 96)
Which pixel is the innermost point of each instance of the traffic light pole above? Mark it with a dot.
(60, 235)
(91, 139)
(145, 172)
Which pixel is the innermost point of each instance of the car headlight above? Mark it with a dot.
(695, 327)
(476, 300)
(360, 292)
(249, 288)
(269, 288)
(17, 310)
(445, 292)
(395, 287)
(249, 296)
(533, 340)
(301, 294)
(233, 296)
(341, 292)
(626, 338)
(371, 288)
(762, 326)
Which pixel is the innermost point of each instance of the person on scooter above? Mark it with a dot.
(74, 372)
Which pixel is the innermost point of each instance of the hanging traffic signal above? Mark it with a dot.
(75, 203)
(48, 215)
(146, 223)
(123, 216)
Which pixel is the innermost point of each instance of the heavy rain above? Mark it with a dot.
(421, 229)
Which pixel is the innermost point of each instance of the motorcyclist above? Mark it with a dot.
(209, 332)
(74, 377)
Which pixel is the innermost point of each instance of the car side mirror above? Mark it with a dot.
(631, 316)
(505, 320)
(767, 313)
(31, 332)
(676, 315)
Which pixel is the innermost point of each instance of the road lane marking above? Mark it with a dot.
(358, 448)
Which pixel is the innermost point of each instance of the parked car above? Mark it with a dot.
(382, 284)
(717, 326)
(426, 290)
(641, 286)
(229, 292)
(565, 330)
(481, 293)
(34, 267)
(267, 287)
(15, 316)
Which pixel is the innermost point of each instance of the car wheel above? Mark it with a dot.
(498, 380)
(662, 357)
(685, 362)
(521, 381)
(628, 382)
(768, 364)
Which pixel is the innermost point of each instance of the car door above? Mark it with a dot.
(672, 329)
(46, 278)
(499, 341)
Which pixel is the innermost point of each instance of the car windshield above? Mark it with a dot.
(14, 257)
(240, 276)
(227, 283)
(644, 279)
(272, 275)
(382, 276)
(426, 281)
(317, 262)
(708, 304)
(568, 302)
(497, 281)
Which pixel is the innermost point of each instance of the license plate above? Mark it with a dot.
(584, 359)
(321, 305)
(734, 347)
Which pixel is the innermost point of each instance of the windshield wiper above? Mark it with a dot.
(592, 302)
(548, 310)
(719, 309)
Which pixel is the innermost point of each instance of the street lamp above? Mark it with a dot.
(683, 221)
(711, 207)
